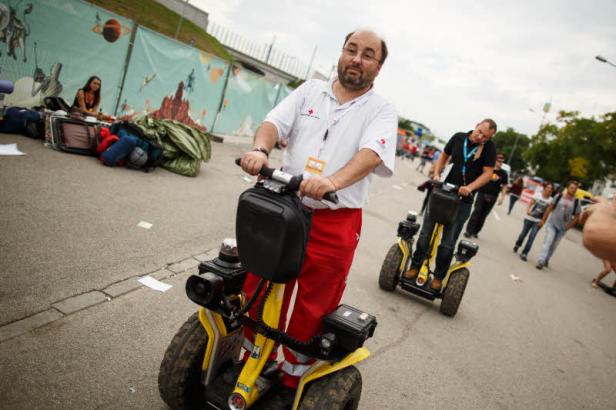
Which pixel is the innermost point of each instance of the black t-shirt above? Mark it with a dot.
(474, 167)
(499, 178)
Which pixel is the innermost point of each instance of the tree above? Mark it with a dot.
(405, 124)
(578, 148)
(505, 141)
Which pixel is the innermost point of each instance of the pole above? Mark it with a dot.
(269, 50)
(222, 98)
(314, 52)
(605, 60)
(177, 30)
(129, 53)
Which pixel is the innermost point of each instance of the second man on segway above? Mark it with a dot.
(473, 156)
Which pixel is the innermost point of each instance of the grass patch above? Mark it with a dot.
(155, 16)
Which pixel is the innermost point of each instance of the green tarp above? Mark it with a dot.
(184, 147)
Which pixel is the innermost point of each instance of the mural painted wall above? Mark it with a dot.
(170, 80)
(248, 99)
(51, 48)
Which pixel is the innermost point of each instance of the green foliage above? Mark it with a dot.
(296, 83)
(579, 148)
(405, 124)
(505, 141)
(155, 16)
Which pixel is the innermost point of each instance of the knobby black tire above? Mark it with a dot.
(454, 292)
(179, 378)
(388, 278)
(337, 391)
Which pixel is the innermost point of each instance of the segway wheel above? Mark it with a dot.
(179, 377)
(337, 391)
(454, 292)
(388, 278)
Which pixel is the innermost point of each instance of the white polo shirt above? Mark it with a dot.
(304, 117)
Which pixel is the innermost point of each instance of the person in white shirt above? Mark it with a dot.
(338, 134)
(536, 215)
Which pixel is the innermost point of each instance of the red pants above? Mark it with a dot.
(333, 239)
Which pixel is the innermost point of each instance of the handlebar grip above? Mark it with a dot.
(331, 197)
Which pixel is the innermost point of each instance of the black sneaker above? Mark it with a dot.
(539, 265)
(515, 249)
(475, 236)
(523, 257)
(467, 235)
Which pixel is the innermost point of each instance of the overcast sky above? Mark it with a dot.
(454, 62)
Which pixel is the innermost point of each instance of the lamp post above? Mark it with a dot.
(605, 60)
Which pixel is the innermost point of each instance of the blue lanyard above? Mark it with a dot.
(467, 155)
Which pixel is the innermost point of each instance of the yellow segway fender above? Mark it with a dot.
(320, 369)
(456, 266)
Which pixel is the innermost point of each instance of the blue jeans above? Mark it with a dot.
(512, 200)
(529, 227)
(553, 235)
(451, 233)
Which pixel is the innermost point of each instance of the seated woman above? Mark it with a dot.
(88, 97)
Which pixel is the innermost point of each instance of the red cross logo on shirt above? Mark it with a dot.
(382, 141)
(310, 111)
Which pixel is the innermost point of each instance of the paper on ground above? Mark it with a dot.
(152, 283)
(496, 216)
(515, 278)
(247, 179)
(10, 149)
(144, 225)
(397, 187)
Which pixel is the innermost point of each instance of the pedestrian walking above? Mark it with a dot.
(563, 214)
(425, 157)
(515, 191)
(486, 197)
(536, 215)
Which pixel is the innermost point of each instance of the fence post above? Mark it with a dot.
(222, 97)
(280, 85)
(129, 53)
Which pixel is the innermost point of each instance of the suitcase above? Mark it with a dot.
(72, 135)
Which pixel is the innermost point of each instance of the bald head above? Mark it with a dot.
(383, 50)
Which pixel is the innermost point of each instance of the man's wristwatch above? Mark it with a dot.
(263, 150)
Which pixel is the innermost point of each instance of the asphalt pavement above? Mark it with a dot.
(78, 331)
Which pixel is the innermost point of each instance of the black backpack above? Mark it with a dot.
(56, 103)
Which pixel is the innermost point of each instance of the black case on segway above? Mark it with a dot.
(271, 231)
(443, 206)
(351, 326)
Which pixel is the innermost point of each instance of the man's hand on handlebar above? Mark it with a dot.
(316, 186)
(465, 191)
(253, 161)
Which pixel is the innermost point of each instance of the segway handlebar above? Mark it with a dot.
(292, 182)
(445, 185)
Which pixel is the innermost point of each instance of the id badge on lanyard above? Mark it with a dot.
(467, 155)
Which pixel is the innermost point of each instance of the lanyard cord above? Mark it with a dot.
(467, 155)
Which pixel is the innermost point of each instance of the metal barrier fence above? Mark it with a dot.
(263, 52)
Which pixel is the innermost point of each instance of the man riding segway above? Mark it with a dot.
(340, 133)
(473, 156)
